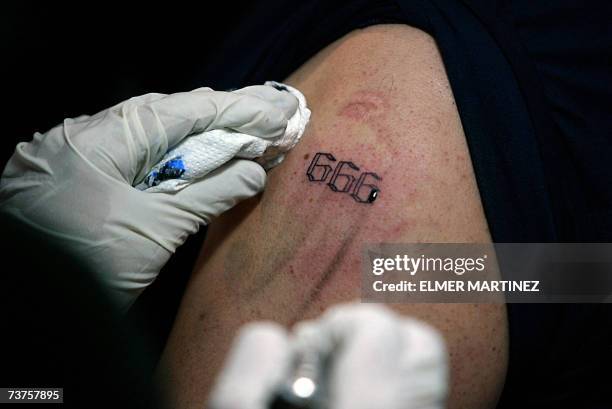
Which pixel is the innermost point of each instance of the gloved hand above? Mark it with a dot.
(75, 182)
(378, 359)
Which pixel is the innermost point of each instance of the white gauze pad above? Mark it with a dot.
(199, 154)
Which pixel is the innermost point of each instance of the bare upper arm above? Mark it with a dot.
(381, 100)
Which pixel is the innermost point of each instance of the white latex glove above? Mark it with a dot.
(75, 182)
(379, 360)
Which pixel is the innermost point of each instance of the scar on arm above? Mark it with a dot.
(364, 105)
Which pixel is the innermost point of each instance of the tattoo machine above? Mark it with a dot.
(306, 385)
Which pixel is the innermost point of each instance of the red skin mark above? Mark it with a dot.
(371, 108)
(364, 104)
(358, 110)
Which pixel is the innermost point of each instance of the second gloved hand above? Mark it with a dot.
(376, 359)
(75, 182)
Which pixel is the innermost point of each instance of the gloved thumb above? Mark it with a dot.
(179, 214)
(222, 189)
(257, 364)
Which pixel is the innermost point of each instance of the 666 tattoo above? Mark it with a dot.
(340, 178)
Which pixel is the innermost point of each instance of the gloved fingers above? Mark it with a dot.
(348, 335)
(257, 364)
(125, 141)
(181, 114)
(138, 100)
(264, 114)
(340, 323)
(81, 118)
(280, 99)
(378, 358)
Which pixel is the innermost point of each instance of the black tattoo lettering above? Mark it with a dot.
(341, 181)
(348, 179)
(315, 168)
(366, 192)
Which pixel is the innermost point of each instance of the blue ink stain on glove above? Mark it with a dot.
(172, 169)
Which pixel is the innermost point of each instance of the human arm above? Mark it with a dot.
(380, 98)
(354, 356)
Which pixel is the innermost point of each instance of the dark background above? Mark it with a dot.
(62, 60)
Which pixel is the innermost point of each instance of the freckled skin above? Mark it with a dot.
(380, 98)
